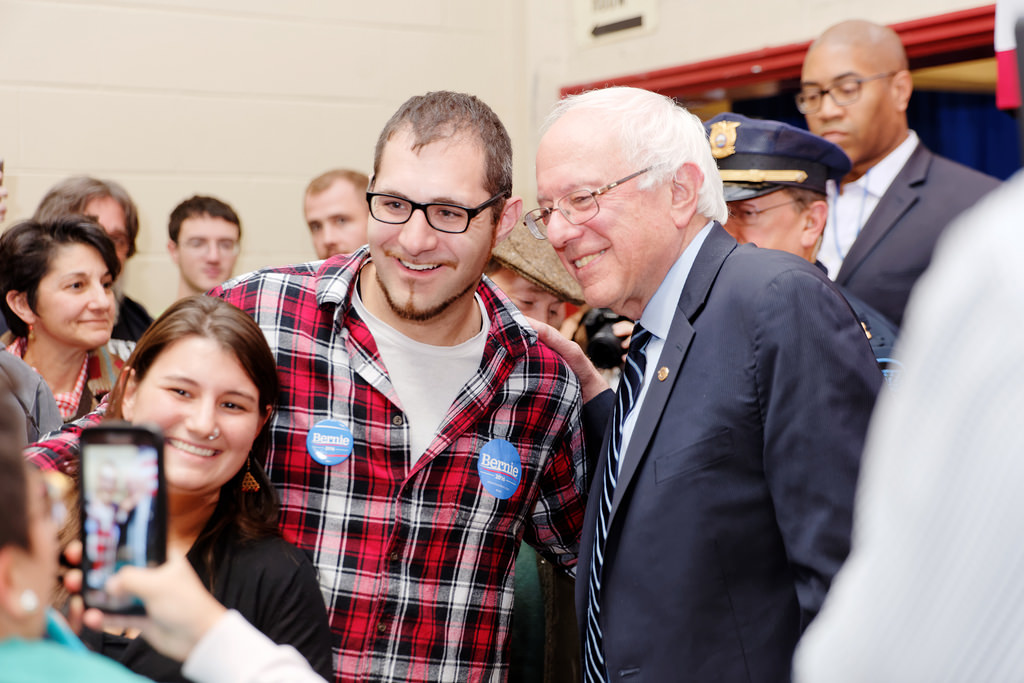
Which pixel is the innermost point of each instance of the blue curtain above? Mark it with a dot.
(962, 126)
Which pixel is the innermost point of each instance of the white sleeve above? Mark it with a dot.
(234, 651)
(932, 589)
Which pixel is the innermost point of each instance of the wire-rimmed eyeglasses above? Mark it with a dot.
(451, 218)
(576, 207)
(844, 91)
(748, 215)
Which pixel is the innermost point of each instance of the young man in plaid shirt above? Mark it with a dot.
(422, 430)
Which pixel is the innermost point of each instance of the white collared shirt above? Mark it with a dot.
(657, 319)
(850, 209)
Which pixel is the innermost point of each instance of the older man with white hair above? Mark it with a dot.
(721, 504)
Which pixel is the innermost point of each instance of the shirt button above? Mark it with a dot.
(381, 627)
(393, 556)
(397, 420)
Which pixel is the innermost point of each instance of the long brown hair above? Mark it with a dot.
(244, 515)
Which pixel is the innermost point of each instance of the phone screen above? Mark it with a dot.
(123, 508)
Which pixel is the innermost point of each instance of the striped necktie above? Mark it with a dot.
(594, 669)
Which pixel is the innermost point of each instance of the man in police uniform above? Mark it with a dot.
(774, 176)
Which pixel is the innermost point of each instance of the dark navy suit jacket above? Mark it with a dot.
(896, 244)
(733, 507)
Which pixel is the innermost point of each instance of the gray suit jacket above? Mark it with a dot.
(33, 396)
(895, 245)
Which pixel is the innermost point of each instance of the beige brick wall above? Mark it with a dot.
(242, 99)
(688, 31)
(248, 99)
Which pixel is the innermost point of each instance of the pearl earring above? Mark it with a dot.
(29, 601)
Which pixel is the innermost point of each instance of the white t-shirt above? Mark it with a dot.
(426, 378)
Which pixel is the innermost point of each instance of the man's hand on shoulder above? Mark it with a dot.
(592, 382)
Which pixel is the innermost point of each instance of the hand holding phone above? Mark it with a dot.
(123, 508)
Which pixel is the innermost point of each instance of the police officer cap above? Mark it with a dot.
(756, 157)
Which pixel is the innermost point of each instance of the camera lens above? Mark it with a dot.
(603, 348)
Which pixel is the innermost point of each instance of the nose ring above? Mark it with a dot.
(214, 434)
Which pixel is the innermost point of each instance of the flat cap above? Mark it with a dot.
(756, 156)
(536, 260)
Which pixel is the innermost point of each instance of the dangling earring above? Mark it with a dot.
(31, 332)
(29, 601)
(249, 483)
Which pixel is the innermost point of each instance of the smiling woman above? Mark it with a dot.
(56, 281)
(203, 374)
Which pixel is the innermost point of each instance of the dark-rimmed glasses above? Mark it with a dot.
(577, 207)
(844, 91)
(450, 218)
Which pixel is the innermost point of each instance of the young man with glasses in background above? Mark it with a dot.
(203, 240)
(890, 209)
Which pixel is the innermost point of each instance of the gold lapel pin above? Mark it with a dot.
(662, 373)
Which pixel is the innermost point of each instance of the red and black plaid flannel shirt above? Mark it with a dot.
(415, 562)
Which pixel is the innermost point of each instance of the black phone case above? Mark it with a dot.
(123, 507)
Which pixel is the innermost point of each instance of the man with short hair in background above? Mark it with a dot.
(204, 236)
(336, 212)
(889, 210)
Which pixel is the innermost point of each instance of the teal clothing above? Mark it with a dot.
(44, 661)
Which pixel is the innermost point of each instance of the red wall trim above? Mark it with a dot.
(926, 40)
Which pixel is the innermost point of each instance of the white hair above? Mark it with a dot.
(654, 131)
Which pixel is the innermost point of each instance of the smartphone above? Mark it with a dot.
(123, 508)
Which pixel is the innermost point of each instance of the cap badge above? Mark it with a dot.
(723, 138)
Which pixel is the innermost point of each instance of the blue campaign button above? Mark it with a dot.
(329, 442)
(500, 468)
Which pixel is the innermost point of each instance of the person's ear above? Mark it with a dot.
(131, 389)
(18, 302)
(902, 88)
(510, 215)
(686, 183)
(172, 249)
(266, 416)
(815, 217)
(14, 563)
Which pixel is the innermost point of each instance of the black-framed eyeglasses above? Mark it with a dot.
(844, 91)
(577, 207)
(451, 218)
(749, 216)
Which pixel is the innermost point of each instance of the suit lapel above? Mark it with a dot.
(717, 246)
(897, 200)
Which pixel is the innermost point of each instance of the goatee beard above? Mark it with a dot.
(409, 312)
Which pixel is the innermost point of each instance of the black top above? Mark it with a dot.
(272, 584)
(132, 321)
